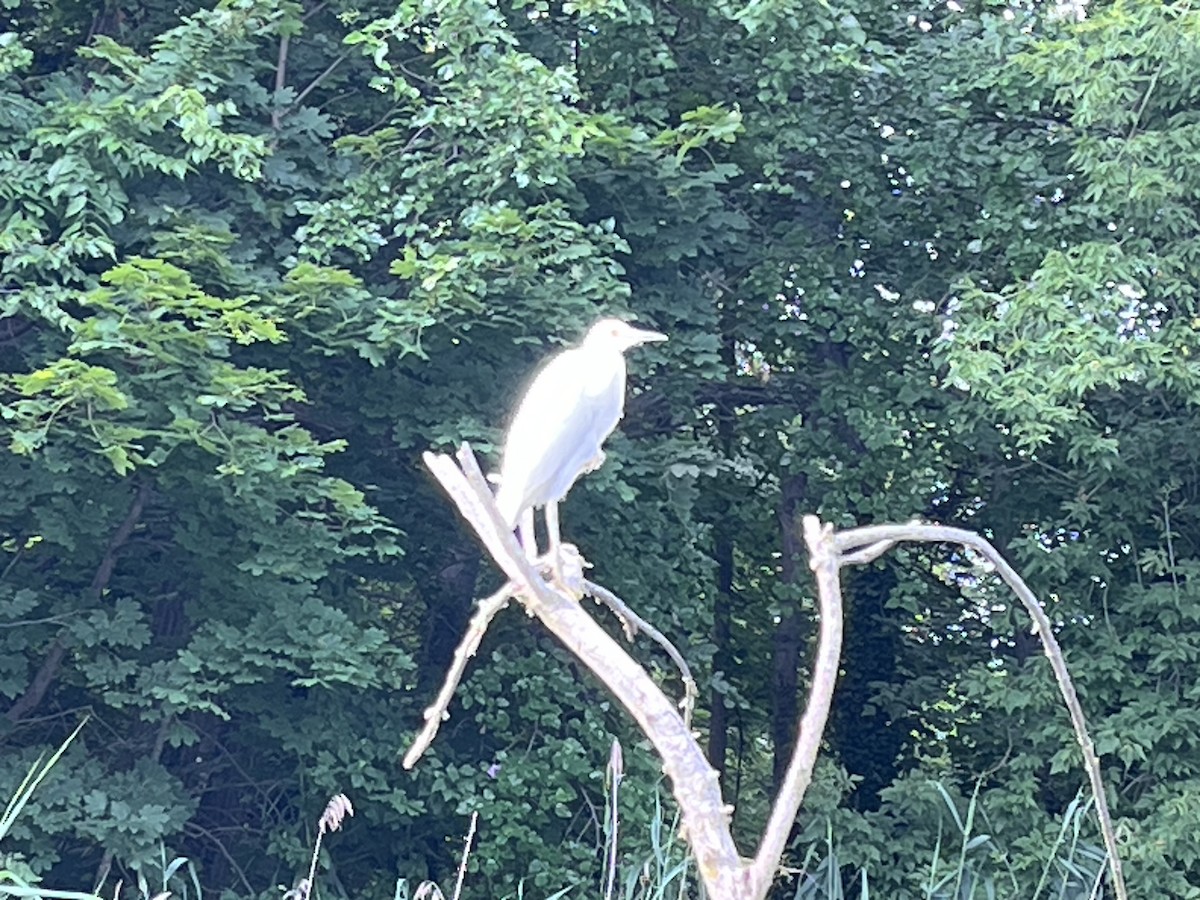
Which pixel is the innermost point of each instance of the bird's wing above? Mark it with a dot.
(568, 410)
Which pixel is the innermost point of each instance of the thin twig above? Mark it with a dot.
(413, 75)
(16, 557)
(855, 539)
(312, 12)
(57, 619)
(308, 89)
(630, 621)
(194, 829)
(632, 624)
(867, 554)
(438, 711)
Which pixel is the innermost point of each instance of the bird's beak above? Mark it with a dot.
(643, 336)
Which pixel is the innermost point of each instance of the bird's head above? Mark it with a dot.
(620, 336)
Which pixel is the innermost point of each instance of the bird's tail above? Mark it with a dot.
(510, 506)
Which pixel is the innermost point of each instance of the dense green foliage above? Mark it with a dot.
(933, 260)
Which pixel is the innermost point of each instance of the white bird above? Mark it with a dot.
(557, 434)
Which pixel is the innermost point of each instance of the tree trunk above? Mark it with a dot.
(718, 734)
(866, 741)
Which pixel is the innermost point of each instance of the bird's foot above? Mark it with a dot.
(565, 568)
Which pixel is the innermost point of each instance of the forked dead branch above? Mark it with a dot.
(695, 784)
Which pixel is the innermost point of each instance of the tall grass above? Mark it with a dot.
(13, 882)
(965, 862)
(980, 868)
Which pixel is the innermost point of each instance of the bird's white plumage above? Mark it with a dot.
(570, 408)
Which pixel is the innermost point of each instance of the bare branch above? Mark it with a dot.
(823, 560)
(694, 782)
(696, 786)
(46, 673)
(438, 712)
(870, 537)
(20, 542)
(633, 623)
(197, 830)
(867, 554)
(42, 679)
(120, 536)
(312, 12)
(308, 89)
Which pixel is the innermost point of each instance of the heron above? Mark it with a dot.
(558, 432)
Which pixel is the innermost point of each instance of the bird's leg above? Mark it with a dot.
(528, 535)
(553, 538)
(565, 564)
